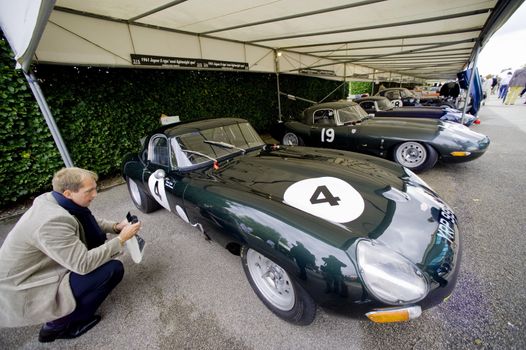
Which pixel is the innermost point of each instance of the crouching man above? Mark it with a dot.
(56, 266)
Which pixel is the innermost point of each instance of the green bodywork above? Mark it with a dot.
(240, 201)
(322, 126)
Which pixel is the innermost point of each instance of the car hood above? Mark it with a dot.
(409, 128)
(464, 137)
(391, 198)
(420, 112)
(399, 122)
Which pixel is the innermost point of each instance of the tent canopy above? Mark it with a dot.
(402, 40)
(399, 40)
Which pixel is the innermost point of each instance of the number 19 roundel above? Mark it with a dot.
(329, 198)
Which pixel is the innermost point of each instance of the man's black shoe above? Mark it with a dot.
(48, 334)
(79, 328)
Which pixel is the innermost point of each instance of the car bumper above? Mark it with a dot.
(467, 154)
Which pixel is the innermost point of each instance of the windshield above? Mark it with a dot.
(351, 114)
(407, 93)
(191, 149)
(384, 104)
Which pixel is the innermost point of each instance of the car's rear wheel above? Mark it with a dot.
(142, 201)
(276, 289)
(415, 156)
(291, 139)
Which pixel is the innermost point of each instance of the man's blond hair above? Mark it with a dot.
(71, 179)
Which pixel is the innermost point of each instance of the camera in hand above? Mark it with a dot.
(132, 219)
(136, 249)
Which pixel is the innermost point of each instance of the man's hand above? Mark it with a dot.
(121, 225)
(129, 231)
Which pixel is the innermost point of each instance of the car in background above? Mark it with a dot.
(404, 97)
(346, 231)
(415, 143)
(426, 91)
(380, 106)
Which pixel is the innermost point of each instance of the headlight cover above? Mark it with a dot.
(389, 276)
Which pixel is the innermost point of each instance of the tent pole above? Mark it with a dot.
(345, 79)
(276, 61)
(372, 87)
(472, 76)
(44, 108)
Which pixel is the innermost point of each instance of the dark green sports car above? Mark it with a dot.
(416, 144)
(342, 230)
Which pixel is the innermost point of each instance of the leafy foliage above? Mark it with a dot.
(28, 156)
(360, 87)
(103, 112)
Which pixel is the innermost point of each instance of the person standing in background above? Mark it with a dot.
(516, 84)
(504, 86)
(486, 87)
(494, 84)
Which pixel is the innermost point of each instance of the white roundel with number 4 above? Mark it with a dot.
(329, 198)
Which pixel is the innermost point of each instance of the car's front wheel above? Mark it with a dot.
(141, 200)
(273, 285)
(415, 156)
(291, 139)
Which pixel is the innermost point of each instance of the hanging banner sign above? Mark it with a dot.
(183, 62)
(361, 76)
(316, 71)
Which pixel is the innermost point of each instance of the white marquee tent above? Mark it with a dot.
(398, 40)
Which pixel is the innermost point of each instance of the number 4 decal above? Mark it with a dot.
(327, 196)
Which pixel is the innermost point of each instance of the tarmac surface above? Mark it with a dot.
(189, 293)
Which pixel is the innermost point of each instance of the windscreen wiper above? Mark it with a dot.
(224, 145)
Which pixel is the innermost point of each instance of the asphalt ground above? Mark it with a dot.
(189, 293)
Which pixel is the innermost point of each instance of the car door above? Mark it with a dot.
(160, 175)
(325, 132)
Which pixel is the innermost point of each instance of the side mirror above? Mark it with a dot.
(159, 174)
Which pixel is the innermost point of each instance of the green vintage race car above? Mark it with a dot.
(414, 143)
(342, 230)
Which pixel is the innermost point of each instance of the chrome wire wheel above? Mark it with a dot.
(271, 280)
(290, 139)
(411, 154)
(134, 192)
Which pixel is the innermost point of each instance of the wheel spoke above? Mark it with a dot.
(271, 280)
(411, 154)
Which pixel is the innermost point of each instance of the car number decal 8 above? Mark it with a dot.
(327, 197)
(327, 135)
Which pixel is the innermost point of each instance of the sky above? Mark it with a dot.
(507, 47)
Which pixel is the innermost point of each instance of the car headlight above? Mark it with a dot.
(389, 276)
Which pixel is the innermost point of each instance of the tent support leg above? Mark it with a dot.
(44, 108)
(276, 61)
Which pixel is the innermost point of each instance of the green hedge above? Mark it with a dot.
(103, 112)
(28, 156)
